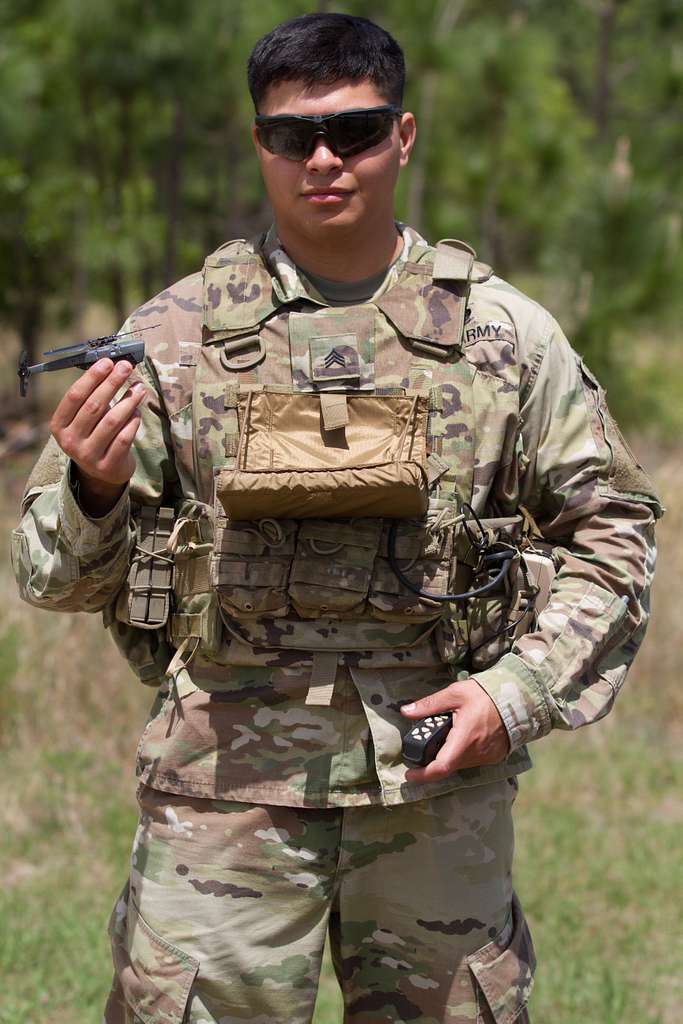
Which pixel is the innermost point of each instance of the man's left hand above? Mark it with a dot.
(478, 735)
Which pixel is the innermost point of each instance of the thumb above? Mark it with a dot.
(448, 699)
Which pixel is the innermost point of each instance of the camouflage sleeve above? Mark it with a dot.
(595, 504)
(64, 559)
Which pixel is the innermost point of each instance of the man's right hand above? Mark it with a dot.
(98, 436)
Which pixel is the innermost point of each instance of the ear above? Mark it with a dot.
(254, 139)
(407, 130)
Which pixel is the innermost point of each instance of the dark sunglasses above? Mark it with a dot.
(346, 133)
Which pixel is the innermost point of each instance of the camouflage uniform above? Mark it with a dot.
(245, 894)
(273, 703)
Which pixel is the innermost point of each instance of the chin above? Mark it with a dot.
(333, 219)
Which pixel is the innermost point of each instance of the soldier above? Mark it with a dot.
(312, 521)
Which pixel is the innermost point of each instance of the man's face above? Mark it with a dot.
(324, 192)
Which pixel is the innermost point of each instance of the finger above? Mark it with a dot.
(445, 762)
(79, 392)
(109, 426)
(443, 700)
(117, 464)
(98, 402)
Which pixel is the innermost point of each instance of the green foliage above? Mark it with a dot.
(548, 136)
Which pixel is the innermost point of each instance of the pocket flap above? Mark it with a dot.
(154, 976)
(504, 969)
(431, 313)
(248, 574)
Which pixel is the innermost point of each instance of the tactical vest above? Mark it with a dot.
(313, 429)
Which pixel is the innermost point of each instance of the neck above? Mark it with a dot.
(342, 255)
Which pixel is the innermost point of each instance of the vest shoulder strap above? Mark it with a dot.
(457, 261)
(453, 260)
(238, 290)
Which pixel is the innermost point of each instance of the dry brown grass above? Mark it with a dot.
(71, 692)
(597, 859)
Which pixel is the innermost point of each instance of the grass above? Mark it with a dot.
(599, 821)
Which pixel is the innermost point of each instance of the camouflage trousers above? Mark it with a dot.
(228, 904)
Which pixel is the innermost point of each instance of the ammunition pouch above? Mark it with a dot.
(195, 621)
(167, 593)
(145, 600)
(274, 582)
(285, 583)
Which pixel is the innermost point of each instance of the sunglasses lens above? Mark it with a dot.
(288, 138)
(353, 133)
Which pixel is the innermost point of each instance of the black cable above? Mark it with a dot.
(480, 545)
(505, 557)
(511, 625)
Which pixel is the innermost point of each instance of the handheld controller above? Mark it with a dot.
(425, 738)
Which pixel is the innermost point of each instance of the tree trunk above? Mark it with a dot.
(30, 322)
(174, 172)
(117, 291)
(80, 280)
(607, 16)
(446, 19)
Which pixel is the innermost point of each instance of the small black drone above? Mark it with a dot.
(84, 355)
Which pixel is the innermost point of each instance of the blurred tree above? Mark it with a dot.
(38, 180)
(620, 239)
(548, 136)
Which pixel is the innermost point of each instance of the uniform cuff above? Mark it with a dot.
(519, 699)
(82, 533)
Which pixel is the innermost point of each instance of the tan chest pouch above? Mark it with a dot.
(328, 455)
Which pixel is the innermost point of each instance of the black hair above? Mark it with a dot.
(320, 49)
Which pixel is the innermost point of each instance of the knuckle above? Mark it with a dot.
(76, 393)
(66, 441)
(93, 407)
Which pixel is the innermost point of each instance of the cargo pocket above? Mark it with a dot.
(425, 558)
(153, 978)
(332, 567)
(503, 972)
(250, 566)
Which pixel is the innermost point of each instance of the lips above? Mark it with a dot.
(327, 192)
(326, 197)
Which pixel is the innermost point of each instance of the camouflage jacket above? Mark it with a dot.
(517, 420)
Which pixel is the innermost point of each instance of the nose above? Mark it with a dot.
(322, 159)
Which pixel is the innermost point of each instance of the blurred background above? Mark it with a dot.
(549, 137)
